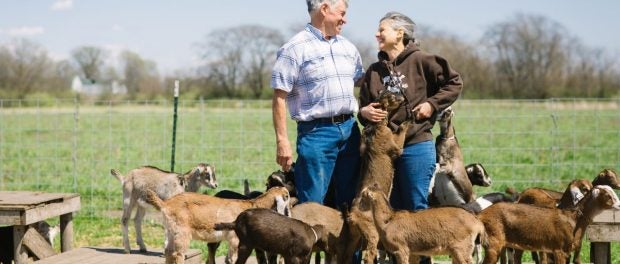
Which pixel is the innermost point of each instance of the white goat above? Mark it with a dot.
(165, 184)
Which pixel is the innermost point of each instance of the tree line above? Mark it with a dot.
(523, 57)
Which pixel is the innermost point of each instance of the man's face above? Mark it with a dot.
(334, 18)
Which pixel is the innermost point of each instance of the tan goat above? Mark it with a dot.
(436, 231)
(552, 230)
(190, 216)
(165, 184)
(317, 214)
(380, 146)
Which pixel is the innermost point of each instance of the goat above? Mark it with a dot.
(192, 216)
(165, 184)
(317, 214)
(519, 226)
(264, 229)
(379, 147)
(477, 175)
(435, 231)
(452, 185)
(550, 198)
(487, 200)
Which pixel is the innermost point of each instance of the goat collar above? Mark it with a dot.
(316, 237)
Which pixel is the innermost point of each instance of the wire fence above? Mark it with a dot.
(71, 145)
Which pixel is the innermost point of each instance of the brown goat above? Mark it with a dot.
(317, 214)
(452, 185)
(380, 146)
(519, 226)
(437, 231)
(192, 216)
(274, 233)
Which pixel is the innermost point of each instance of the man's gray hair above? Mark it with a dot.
(400, 21)
(313, 5)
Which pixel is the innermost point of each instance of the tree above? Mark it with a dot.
(140, 75)
(23, 67)
(529, 53)
(89, 60)
(240, 56)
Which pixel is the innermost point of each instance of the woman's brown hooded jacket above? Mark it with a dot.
(428, 77)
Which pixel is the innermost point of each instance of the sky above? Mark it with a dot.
(168, 31)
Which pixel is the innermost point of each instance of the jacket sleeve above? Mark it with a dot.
(445, 84)
(365, 96)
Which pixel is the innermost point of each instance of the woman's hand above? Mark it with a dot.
(423, 111)
(373, 113)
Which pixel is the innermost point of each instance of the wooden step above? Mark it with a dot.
(92, 255)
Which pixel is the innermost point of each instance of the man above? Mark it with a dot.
(314, 75)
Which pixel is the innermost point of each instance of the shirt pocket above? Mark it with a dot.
(312, 69)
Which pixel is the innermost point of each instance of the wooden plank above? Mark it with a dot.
(46, 211)
(19, 253)
(27, 199)
(600, 252)
(95, 255)
(608, 216)
(603, 233)
(10, 218)
(37, 244)
(66, 232)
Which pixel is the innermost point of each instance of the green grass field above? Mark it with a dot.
(64, 148)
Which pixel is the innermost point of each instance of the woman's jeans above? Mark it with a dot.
(413, 172)
(324, 151)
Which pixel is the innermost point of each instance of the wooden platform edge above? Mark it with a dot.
(88, 255)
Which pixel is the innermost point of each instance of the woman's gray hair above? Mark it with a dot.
(400, 21)
(315, 4)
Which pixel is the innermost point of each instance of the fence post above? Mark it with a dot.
(174, 122)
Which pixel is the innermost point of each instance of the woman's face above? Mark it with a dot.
(387, 37)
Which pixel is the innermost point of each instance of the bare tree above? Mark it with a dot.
(89, 60)
(240, 56)
(529, 54)
(23, 66)
(140, 75)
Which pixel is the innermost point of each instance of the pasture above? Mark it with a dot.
(66, 146)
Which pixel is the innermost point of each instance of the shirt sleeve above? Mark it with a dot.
(285, 71)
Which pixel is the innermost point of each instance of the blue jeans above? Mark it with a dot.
(326, 150)
(412, 176)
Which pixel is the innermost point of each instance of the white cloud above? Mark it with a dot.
(62, 5)
(25, 31)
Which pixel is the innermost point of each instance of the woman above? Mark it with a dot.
(429, 86)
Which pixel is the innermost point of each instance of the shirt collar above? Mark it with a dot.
(318, 34)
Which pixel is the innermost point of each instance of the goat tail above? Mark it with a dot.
(154, 200)
(117, 174)
(224, 226)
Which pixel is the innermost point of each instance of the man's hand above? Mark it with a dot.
(423, 111)
(284, 155)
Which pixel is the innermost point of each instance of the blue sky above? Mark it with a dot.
(166, 31)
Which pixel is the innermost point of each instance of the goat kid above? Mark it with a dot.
(190, 216)
(435, 231)
(317, 214)
(165, 184)
(379, 147)
(265, 229)
(452, 185)
(519, 226)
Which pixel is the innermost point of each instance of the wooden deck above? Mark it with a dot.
(96, 255)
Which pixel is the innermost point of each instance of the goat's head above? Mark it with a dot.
(605, 197)
(283, 179)
(478, 175)
(279, 198)
(203, 174)
(390, 100)
(578, 189)
(607, 177)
